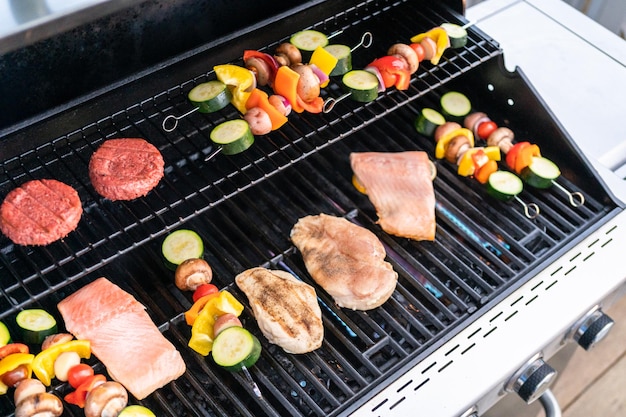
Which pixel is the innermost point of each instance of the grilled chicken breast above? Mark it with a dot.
(347, 260)
(285, 308)
(400, 187)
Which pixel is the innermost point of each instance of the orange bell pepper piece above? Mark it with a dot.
(314, 106)
(483, 173)
(286, 85)
(192, 314)
(259, 98)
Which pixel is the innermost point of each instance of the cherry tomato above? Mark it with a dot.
(78, 374)
(202, 290)
(485, 129)
(419, 50)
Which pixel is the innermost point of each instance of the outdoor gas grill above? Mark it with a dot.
(464, 302)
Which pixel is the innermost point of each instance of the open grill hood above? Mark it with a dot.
(244, 206)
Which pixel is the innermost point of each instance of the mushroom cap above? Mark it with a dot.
(106, 400)
(192, 273)
(26, 388)
(40, 404)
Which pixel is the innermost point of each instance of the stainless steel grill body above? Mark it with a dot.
(244, 206)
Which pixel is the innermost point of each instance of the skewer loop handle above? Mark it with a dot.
(576, 199)
(531, 210)
(166, 121)
(329, 104)
(366, 41)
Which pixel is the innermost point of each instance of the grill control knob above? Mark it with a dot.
(532, 380)
(593, 328)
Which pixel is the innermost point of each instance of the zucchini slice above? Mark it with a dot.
(181, 245)
(504, 185)
(456, 33)
(236, 347)
(428, 120)
(136, 411)
(540, 173)
(455, 106)
(210, 97)
(233, 136)
(5, 335)
(362, 85)
(343, 54)
(308, 40)
(36, 324)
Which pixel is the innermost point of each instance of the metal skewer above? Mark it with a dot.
(175, 119)
(366, 41)
(576, 199)
(251, 381)
(531, 210)
(215, 151)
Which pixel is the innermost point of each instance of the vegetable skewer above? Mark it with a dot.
(455, 144)
(523, 158)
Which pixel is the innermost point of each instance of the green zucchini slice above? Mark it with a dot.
(362, 85)
(210, 97)
(540, 173)
(136, 411)
(36, 324)
(504, 185)
(181, 245)
(343, 54)
(234, 348)
(455, 106)
(5, 335)
(428, 120)
(308, 40)
(456, 33)
(234, 136)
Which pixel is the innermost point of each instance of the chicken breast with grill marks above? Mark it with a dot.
(345, 259)
(285, 308)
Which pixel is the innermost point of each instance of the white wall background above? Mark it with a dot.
(609, 13)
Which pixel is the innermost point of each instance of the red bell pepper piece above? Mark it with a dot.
(267, 58)
(394, 71)
(79, 397)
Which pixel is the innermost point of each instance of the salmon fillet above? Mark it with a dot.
(347, 260)
(285, 308)
(123, 337)
(400, 187)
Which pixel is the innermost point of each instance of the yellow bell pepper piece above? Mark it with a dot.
(323, 60)
(441, 38)
(12, 361)
(240, 81)
(202, 330)
(440, 149)
(43, 364)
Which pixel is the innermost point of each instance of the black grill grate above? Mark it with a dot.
(245, 205)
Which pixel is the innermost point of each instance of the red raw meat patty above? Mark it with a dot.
(40, 212)
(125, 169)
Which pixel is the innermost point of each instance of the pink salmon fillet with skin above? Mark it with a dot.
(345, 259)
(400, 187)
(123, 337)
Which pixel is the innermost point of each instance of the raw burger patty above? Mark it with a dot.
(125, 169)
(40, 212)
